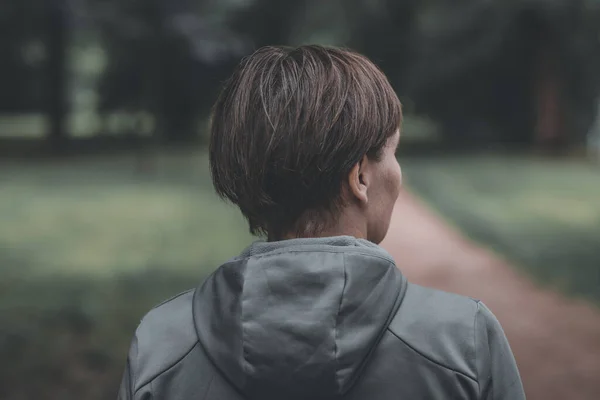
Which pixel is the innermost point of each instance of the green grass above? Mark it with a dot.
(66, 337)
(106, 217)
(543, 215)
(87, 247)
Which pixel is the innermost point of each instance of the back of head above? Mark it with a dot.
(287, 128)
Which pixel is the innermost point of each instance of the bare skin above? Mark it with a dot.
(369, 193)
(556, 340)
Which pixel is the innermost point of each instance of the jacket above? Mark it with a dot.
(327, 318)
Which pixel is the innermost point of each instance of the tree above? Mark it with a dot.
(478, 67)
(56, 96)
(23, 50)
(165, 59)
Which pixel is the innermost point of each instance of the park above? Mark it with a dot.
(107, 205)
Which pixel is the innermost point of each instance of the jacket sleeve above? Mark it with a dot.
(126, 389)
(498, 375)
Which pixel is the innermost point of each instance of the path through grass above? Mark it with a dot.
(544, 215)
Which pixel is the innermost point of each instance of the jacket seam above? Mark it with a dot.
(430, 359)
(475, 348)
(309, 250)
(203, 348)
(180, 359)
(393, 312)
(131, 383)
(133, 373)
(335, 335)
(206, 392)
(172, 298)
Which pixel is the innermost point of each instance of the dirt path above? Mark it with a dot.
(556, 340)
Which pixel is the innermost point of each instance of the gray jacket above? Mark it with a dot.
(328, 318)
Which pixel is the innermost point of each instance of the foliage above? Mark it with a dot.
(466, 64)
(542, 215)
(23, 55)
(87, 325)
(86, 249)
(166, 59)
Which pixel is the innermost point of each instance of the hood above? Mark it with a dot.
(298, 318)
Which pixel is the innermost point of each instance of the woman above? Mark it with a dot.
(303, 141)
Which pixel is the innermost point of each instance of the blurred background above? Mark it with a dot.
(106, 204)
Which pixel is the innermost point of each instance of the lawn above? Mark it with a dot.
(88, 246)
(541, 214)
(106, 217)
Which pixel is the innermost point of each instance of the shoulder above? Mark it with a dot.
(439, 326)
(164, 337)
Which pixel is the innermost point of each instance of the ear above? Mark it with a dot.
(359, 180)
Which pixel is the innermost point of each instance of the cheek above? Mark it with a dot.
(392, 186)
(396, 180)
(388, 189)
(400, 177)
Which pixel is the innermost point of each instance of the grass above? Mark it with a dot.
(88, 246)
(66, 337)
(544, 215)
(108, 217)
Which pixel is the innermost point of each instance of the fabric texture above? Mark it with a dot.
(327, 318)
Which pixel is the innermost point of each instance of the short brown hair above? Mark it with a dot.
(288, 127)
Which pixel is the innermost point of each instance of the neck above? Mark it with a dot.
(346, 224)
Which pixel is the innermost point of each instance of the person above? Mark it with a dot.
(303, 141)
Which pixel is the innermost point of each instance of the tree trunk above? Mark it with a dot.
(550, 134)
(56, 78)
(593, 136)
